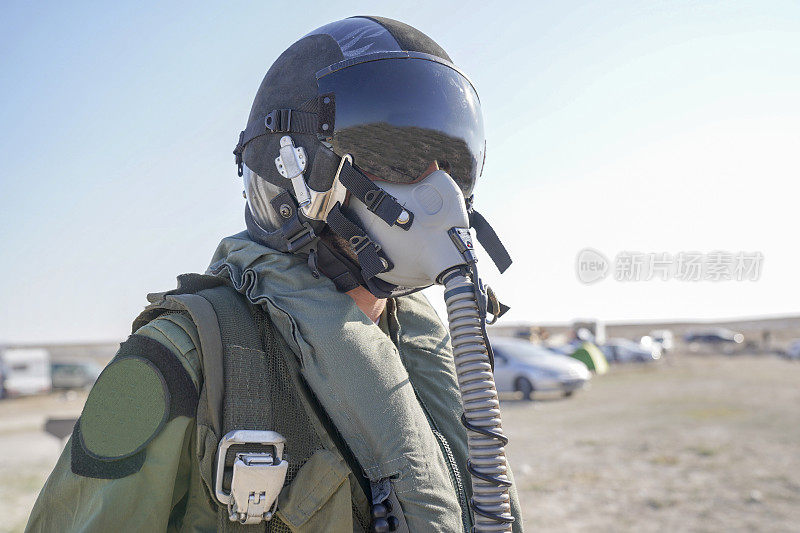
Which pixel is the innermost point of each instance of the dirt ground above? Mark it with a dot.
(692, 444)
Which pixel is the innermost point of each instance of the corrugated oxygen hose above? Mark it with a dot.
(487, 460)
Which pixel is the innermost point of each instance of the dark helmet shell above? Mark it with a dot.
(291, 80)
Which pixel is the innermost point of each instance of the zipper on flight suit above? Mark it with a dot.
(447, 452)
(452, 466)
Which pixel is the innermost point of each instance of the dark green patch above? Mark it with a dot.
(125, 410)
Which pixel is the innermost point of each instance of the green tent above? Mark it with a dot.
(590, 355)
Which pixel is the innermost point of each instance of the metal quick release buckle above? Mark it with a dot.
(258, 473)
(291, 163)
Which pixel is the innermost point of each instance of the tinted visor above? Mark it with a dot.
(397, 115)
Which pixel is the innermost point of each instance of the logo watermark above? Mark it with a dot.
(592, 266)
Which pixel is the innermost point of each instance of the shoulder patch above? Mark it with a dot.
(144, 387)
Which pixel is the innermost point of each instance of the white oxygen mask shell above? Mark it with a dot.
(424, 251)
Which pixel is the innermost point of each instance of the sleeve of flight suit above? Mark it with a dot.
(147, 490)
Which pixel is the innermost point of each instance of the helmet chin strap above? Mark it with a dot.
(346, 274)
(298, 236)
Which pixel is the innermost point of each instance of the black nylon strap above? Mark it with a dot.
(490, 241)
(366, 250)
(383, 204)
(342, 271)
(276, 121)
(297, 233)
(293, 236)
(290, 121)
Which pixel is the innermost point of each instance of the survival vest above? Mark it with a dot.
(252, 381)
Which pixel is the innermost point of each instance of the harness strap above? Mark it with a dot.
(235, 369)
(372, 263)
(247, 394)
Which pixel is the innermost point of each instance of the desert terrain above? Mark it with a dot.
(693, 443)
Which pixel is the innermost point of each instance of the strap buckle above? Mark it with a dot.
(373, 198)
(279, 120)
(301, 239)
(258, 474)
(359, 242)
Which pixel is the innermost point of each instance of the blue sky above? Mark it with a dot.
(649, 126)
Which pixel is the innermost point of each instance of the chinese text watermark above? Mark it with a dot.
(592, 266)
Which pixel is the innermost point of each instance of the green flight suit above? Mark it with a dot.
(155, 497)
(166, 493)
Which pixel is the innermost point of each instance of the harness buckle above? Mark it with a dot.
(257, 474)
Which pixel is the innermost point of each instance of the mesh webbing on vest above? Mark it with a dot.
(258, 389)
(263, 388)
(290, 417)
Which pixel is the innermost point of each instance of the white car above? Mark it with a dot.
(520, 366)
(25, 371)
(627, 351)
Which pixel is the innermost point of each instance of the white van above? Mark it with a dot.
(25, 371)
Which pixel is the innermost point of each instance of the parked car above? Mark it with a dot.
(715, 340)
(662, 337)
(714, 336)
(520, 366)
(74, 375)
(25, 371)
(627, 351)
(793, 351)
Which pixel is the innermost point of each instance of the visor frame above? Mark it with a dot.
(345, 63)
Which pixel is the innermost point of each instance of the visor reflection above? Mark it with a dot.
(397, 115)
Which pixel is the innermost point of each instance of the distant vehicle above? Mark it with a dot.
(627, 351)
(664, 338)
(77, 375)
(793, 351)
(520, 366)
(25, 371)
(714, 336)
